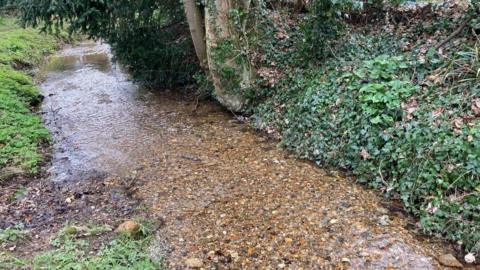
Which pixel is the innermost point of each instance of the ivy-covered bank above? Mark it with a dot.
(380, 101)
(21, 130)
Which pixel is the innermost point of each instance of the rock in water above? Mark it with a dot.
(194, 263)
(470, 258)
(450, 261)
(128, 227)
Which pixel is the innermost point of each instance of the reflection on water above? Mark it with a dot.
(58, 63)
(99, 118)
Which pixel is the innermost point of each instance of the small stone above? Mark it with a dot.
(194, 263)
(469, 258)
(128, 227)
(449, 260)
(234, 237)
(288, 240)
(234, 255)
(384, 220)
(250, 251)
(382, 210)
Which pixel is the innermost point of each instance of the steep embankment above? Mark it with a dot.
(382, 102)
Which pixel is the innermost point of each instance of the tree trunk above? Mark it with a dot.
(195, 22)
(230, 71)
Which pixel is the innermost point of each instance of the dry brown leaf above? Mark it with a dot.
(364, 154)
(438, 112)
(476, 107)
(458, 122)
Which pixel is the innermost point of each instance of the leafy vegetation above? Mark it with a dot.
(404, 121)
(72, 251)
(12, 234)
(21, 131)
(149, 37)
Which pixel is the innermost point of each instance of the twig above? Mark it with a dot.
(452, 35)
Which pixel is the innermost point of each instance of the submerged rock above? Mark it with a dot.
(194, 263)
(449, 260)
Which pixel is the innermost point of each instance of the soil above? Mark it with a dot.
(44, 207)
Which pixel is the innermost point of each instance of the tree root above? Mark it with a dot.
(454, 34)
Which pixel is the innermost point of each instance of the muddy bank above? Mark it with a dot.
(224, 195)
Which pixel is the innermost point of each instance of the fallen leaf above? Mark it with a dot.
(364, 154)
(476, 107)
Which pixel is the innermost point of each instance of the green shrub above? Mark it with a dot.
(71, 251)
(150, 37)
(323, 25)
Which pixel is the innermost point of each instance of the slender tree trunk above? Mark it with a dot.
(229, 90)
(195, 22)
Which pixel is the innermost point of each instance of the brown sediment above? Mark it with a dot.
(236, 201)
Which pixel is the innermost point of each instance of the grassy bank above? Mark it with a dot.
(73, 248)
(21, 130)
(382, 103)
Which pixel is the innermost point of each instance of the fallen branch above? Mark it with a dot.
(452, 35)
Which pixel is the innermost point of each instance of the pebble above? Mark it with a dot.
(194, 263)
(469, 258)
(449, 260)
(384, 220)
(129, 227)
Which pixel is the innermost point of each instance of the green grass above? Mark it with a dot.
(23, 47)
(21, 130)
(71, 251)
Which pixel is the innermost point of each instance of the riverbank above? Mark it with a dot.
(22, 132)
(380, 102)
(46, 225)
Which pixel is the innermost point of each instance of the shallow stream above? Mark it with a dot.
(223, 194)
